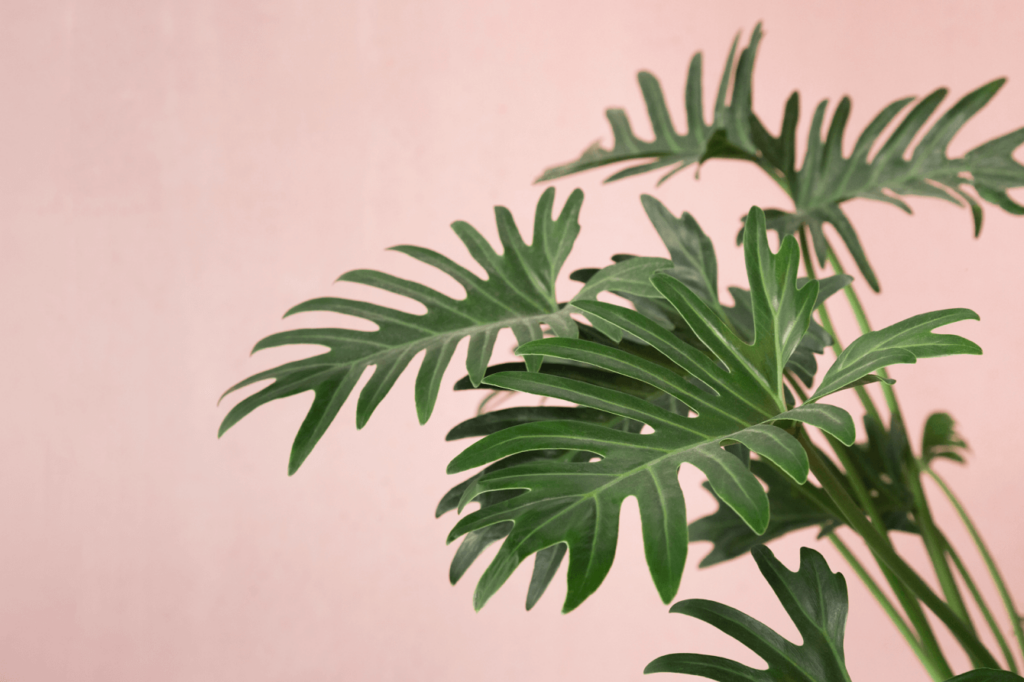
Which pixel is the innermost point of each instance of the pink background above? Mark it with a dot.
(175, 175)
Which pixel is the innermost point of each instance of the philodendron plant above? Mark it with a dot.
(678, 376)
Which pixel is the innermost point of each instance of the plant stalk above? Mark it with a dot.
(854, 517)
(907, 600)
(887, 606)
(982, 606)
(865, 327)
(997, 578)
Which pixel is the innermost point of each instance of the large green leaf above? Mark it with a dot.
(519, 293)
(826, 178)
(903, 342)
(736, 394)
(728, 135)
(695, 264)
(547, 560)
(795, 507)
(815, 599)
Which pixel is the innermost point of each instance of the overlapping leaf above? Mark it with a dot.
(795, 507)
(736, 394)
(728, 135)
(826, 177)
(695, 264)
(815, 599)
(518, 294)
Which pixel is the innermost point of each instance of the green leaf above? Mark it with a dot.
(695, 264)
(518, 294)
(816, 601)
(941, 440)
(736, 394)
(986, 675)
(827, 178)
(728, 135)
(795, 507)
(903, 342)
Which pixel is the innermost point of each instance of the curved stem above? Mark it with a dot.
(982, 605)
(865, 327)
(887, 606)
(935, 546)
(997, 578)
(826, 323)
(907, 600)
(855, 518)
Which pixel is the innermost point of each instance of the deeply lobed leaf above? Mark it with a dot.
(518, 294)
(817, 603)
(727, 136)
(735, 394)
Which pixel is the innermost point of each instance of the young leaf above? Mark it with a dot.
(815, 599)
(941, 440)
(728, 136)
(735, 399)
(903, 342)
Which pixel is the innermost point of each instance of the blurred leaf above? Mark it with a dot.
(728, 135)
(941, 440)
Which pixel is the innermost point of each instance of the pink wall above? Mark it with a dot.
(175, 175)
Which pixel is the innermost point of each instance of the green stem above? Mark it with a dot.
(865, 327)
(826, 323)
(907, 600)
(893, 614)
(997, 578)
(935, 546)
(878, 545)
(982, 605)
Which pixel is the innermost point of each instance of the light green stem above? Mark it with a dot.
(865, 327)
(997, 578)
(935, 546)
(878, 545)
(982, 605)
(826, 323)
(907, 600)
(887, 606)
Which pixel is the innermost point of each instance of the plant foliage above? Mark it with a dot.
(735, 391)
(815, 599)
(519, 293)
(881, 168)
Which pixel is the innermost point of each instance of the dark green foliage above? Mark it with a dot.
(882, 168)
(940, 440)
(815, 599)
(519, 294)
(577, 503)
(877, 463)
(728, 135)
